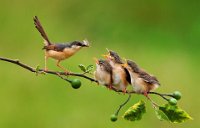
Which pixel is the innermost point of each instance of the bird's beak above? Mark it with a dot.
(125, 59)
(107, 50)
(86, 43)
(125, 65)
(96, 60)
(106, 56)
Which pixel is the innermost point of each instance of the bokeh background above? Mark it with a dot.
(162, 36)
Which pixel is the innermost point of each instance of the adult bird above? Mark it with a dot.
(58, 51)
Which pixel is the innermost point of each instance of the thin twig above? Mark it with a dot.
(161, 95)
(122, 105)
(17, 62)
(64, 78)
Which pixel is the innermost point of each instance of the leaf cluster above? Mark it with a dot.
(86, 69)
(171, 113)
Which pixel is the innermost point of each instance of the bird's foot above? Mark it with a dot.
(46, 70)
(58, 74)
(124, 91)
(146, 95)
(67, 72)
(109, 86)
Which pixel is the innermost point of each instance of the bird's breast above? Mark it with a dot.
(69, 52)
(102, 77)
(61, 55)
(56, 55)
(140, 86)
(119, 75)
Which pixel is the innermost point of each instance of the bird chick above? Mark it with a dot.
(103, 73)
(58, 51)
(121, 77)
(141, 81)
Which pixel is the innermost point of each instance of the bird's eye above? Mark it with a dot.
(79, 44)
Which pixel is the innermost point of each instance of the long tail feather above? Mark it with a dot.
(41, 30)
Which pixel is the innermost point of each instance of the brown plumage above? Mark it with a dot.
(141, 80)
(103, 73)
(121, 76)
(118, 60)
(116, 57)
(148, 78)
(40, 29)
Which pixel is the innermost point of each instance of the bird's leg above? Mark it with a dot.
(45, 62)
(123, 87)
(153, 103)
(110, 86)
(58, 64)
(124, 90)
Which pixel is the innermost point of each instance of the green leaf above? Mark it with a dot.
(135, 112)
(161, 115)
(89, 68)
(37, 71)
(82, 67)
(174, 113)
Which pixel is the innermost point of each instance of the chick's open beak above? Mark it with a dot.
(96, 60)
(106, 56)
(125, 65)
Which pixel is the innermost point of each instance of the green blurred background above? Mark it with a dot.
(162, 36)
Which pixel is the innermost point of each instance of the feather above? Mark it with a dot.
(41, 30)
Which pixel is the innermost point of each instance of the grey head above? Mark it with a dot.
(133, 66)
(116, 57)
(105, 64)
(61, 46)
(78, 43)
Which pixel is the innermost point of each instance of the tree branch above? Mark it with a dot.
(61, 74)
(17, 62)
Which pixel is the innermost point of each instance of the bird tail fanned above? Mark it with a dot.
(41, 30)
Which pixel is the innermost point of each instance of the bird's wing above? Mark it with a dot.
(41, 30)
(148, 78)
(128, 76)
(56, 47)
(154, 78)
(60, 47)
